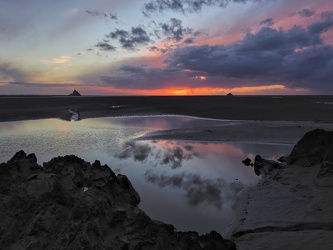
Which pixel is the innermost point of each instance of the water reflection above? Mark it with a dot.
(191, 185)
(138, 151)
(213, 192)
(162, 152)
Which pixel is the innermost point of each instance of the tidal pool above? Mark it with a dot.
(189, 184)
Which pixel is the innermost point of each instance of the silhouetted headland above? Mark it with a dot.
(75, 93)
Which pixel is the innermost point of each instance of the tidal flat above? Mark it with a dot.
(263, 108)
(190, 148)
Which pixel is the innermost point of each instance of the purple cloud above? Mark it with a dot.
(296, 58)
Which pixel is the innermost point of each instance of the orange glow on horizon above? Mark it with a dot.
(180, 92)
(254, 90)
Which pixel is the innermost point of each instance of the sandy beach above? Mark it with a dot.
(275, 132)
(290, 207)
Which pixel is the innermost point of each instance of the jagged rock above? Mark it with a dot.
(311, 149)
(325, 173)
(262, 166)
(316, 147)
(72, 204)
(247, 162)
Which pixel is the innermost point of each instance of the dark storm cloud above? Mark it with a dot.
(306, 12)
(143, 35)
(133, 69)
(34, 84)
(154, 48)
(297, 55)
(327, 14)
(104, 46)
(111, 16)
(189, 40)
(10, 72)
(267, 22)
(185, 6)
(161, 5)
(311, 67)
(140, 77)
(174, 30)
(296, 58)
(162, 50)
(320, 27)
(197, 190)
(118, 34)
(130, 39)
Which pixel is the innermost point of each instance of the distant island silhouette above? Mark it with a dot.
(75, 93)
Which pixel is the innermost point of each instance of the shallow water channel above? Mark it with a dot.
(189, 184)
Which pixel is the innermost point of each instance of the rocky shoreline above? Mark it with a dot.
(72, 204)
(291, 207)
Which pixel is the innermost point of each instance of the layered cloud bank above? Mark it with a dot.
(183, 47)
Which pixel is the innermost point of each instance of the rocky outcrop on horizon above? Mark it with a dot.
(72, 204)
(75, 93)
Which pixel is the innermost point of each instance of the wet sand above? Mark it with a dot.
(275, 132)
(264, 108)
(273, 119)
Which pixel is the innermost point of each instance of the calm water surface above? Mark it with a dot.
(191, 185)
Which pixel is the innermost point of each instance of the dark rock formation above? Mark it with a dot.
(247, 162)
(230, 94)
(325, 173)
(72, 204)
(314, 149)
(262, 166)
(320, 153)
(75, 93)
(311, 149)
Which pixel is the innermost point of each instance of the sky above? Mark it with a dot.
(166, 47)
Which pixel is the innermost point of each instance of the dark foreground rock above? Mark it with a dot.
(71, 204)
(312, 148)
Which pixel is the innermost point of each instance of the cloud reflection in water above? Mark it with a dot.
(185, 183)
(214, 192)
(171, 155)
(197, 187)
(139, 151)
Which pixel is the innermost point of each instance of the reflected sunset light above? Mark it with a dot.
(188, 177)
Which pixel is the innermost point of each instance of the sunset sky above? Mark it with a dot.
(166, 47)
